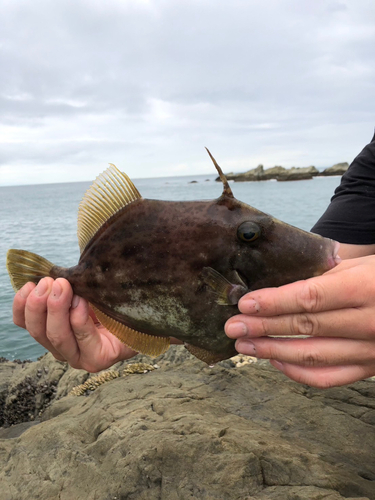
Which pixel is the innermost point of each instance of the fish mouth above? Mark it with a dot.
(334, 259)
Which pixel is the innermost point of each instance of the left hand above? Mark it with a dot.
(337, 313)
(66, 326)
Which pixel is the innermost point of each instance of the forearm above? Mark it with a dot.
(348, 251)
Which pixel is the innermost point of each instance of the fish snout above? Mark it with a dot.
(333, 257)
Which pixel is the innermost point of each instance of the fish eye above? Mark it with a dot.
(248, 231)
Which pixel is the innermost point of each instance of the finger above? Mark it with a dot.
(340, 323)
(58, 330)
(36, 314)
(310, 352)
(325, 377)
(323, 293)
(97, 347)
(19, 304)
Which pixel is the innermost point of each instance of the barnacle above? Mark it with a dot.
(242, 359)
(94, 382)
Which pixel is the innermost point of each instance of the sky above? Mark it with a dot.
(147, 84)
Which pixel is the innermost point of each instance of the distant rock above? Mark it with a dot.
(277, 172)
(273, 173)
(239, 430)
(338, 169)
(193, 182)
(254, 174)
(297, 174)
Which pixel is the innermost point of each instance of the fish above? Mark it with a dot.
(154, 270)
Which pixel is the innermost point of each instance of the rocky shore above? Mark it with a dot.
(285, 174)
(174, 428)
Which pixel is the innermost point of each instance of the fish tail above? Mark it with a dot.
(24, 266)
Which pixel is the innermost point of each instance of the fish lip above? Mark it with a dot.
(334, 259)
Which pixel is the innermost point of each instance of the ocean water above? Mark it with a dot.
(43, 219)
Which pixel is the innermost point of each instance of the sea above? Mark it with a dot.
(43, 219)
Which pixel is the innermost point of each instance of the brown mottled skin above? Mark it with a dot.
(148, 259)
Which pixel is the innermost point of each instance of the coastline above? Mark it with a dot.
(282, 174)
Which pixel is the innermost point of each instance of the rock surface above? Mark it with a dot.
(185, 431)
(338, 169)
(285, 174)
(298, 174)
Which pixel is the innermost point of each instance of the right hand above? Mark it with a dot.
(66, 326)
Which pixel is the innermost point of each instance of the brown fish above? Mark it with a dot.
(158, 269)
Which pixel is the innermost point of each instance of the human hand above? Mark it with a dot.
(337, 313)
(66, 326)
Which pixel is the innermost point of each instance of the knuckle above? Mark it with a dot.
(55, 340)
(311, 358)
(305, 324)
(35, 306)
(311, 296)
(79, 327)
(53, 306)
(265, 327)
(77, 323)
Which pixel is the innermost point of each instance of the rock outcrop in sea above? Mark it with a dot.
(177, 429)
(285, 174)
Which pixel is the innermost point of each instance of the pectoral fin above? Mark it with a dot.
(141, 342)
(227, 293)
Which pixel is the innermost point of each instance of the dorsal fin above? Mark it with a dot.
(226, 189)
(111, 191)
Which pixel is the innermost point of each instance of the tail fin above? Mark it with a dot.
(26, 266)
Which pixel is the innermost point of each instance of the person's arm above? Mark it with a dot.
(348, 251)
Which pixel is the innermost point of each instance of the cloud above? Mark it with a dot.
(146, 84)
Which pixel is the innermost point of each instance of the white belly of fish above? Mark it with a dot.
(162, 312)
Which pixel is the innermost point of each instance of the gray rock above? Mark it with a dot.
(338, 169)
(273, 172)
(297, 174)
(277, 172)
(189, 431)
(255, 174)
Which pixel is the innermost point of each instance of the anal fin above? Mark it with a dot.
(141, 342)
(208, 357)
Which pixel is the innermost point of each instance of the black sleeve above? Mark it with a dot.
(350, 217)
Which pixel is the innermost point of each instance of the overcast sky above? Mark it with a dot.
(146, 84)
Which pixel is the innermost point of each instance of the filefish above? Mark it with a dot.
(152, 269)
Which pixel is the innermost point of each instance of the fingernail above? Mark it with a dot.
(246, 347)
(236, 329)
(24, 292)
(41, 288)
(248, 306)
(56, 290)
(75, 301)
